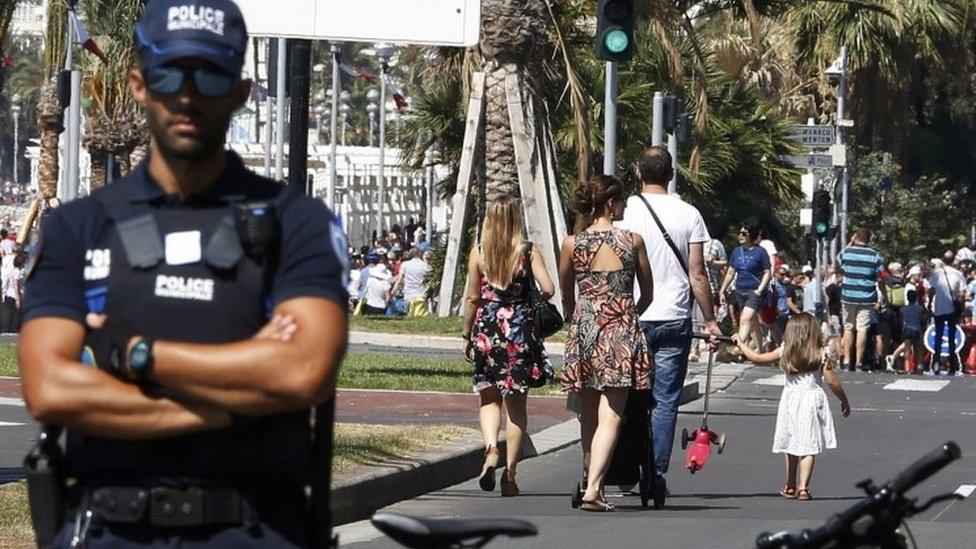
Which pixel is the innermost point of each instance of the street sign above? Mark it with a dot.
(944, 348)
(839, 154)
(814, 137)
(426, 22)
(810, 160)
(806, 217)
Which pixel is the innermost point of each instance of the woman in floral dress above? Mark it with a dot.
(507, 355)
(606, 353)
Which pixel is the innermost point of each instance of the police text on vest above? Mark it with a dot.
(181, 287)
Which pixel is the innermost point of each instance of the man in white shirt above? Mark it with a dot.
(667, 322)
(412, 276)
(946, 287)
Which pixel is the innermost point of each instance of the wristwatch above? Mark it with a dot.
(140, 359)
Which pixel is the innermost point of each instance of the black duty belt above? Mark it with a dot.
(167, 507)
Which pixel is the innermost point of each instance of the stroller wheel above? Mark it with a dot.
(684, 438)
(721, 443)
(578, 496)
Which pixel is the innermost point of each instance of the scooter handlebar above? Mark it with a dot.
(700, 335)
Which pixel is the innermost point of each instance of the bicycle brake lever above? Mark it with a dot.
(933, 501)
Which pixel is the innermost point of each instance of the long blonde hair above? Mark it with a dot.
(502, 239)
(802, 348)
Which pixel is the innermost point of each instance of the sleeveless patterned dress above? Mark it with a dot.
(606, 347)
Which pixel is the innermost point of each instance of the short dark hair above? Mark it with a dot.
(863, 234)
(655, 165)
(752, 225)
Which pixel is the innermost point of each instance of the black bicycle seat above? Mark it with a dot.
(420, 532)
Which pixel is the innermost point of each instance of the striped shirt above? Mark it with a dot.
(862, 266)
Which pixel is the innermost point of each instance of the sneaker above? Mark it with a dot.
(890, 363)
(927, 373)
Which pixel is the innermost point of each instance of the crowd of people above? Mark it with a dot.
(874, 315)
(389, 278)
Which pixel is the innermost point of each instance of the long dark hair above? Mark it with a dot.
(591, 198)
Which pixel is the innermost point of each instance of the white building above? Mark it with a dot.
(29, 19)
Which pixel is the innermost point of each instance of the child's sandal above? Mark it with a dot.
(788, 492)
(803, 494)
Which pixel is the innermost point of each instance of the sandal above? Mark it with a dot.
(803, 494)
(788, 492)
(487, 477)
(509, 486)
(596, 506)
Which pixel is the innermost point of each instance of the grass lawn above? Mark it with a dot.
(8, 360)
(411, 373)
(367, 371)
(356, 445)
(15, 522)
(430, 325)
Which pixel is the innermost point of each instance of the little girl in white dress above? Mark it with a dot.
(804, 426)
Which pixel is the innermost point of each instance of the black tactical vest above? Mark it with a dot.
(221, 298)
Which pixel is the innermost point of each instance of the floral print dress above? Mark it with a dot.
(507, 353)
(606, 348)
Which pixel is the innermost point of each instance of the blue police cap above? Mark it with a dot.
(212, 30)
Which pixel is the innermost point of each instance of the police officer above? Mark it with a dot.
(179, 324)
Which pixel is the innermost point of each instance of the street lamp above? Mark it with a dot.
(15, 111)
(384, 52)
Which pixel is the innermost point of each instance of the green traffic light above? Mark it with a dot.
(821, 229)
(616, 41)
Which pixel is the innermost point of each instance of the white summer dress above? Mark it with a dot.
(804, 426)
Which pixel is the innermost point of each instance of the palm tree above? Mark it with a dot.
(50, 120)
(114, 123)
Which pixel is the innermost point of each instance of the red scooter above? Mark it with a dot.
(702, 438)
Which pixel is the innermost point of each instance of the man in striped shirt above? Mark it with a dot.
(862, 268)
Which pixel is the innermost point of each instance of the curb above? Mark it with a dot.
(359, 496)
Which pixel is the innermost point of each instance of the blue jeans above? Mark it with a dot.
(670, 343)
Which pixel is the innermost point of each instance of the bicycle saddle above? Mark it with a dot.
(417, 532)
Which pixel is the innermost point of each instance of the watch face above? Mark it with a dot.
(139, 358)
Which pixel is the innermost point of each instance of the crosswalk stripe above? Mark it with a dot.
(965, 490)
(6, 401)
(922, 385)
(9, 424)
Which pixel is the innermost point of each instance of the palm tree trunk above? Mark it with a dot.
(49, 123)
(501, 173)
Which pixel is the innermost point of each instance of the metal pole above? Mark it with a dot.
(845, 174)
(16, 116)
(818, 276)
(269, 123)
(382, 175)
(431, 174)
(333, 150)
(610, 121)
(300, 74)
(673, 149)
(74, 139)
(280, 119)
(343, 129)
(657, 129)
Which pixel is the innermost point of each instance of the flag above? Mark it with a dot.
(400, 100)
(8, 63)
(348, 70)
(85, 39)
(369, 77)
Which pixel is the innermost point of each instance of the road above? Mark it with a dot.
(735, 498)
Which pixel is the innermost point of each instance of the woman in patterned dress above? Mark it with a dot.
(606, 353)
(507, 355)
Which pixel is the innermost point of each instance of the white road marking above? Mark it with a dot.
(965, 490)
(922, 385)
(9, 424)
(777, 380)
(5, 401)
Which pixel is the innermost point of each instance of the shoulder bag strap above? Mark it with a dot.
(667, 237)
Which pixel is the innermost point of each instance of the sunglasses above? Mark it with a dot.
(209, 82)
(744, 233)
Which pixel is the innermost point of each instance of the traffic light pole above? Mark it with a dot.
(845, 173)
(673, 149)
(657, 128)
(610, 122)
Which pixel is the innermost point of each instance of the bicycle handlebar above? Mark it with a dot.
(836, 525)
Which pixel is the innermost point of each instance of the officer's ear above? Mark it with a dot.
(137, 86)
(242, 92)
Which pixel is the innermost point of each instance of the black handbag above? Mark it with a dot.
(547, 321)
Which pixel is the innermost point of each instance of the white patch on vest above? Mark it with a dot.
(181, 287)
(194, 17)
(183, 248)
(98, 264)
